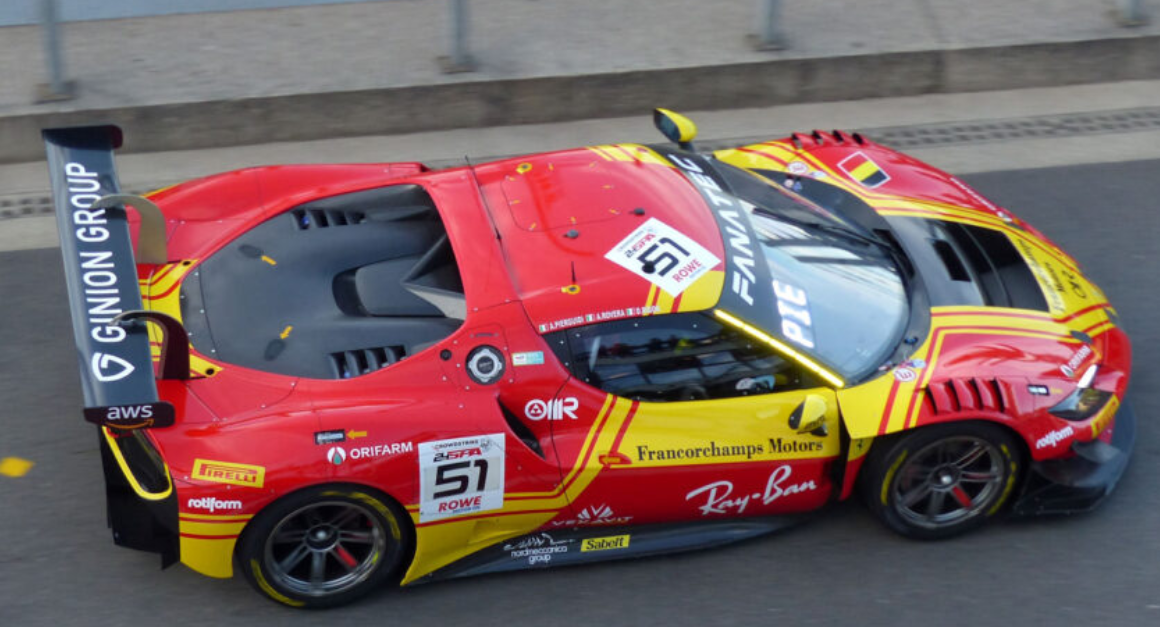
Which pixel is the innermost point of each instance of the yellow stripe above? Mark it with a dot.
(141, 492)
(785, 349)
(210, 528)
(598, 150)
(238, 517)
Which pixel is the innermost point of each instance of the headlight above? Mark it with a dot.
(1084, 402)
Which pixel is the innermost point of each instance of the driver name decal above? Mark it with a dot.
(663, 256)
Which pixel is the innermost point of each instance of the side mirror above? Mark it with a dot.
(810, 416)
(676, 127)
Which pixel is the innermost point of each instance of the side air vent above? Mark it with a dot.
(306, 219)
(967, 394)
(348, 364)
(955, 268)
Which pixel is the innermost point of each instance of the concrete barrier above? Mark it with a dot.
(551, 99)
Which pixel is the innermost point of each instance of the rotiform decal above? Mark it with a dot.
(212, 504)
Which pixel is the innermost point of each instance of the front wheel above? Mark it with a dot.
(324, 546)
(943, 480)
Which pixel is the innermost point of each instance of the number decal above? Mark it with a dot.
(663, 256)
(460, 476)
(443, 476)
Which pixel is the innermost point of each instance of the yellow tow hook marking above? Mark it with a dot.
(269, 260)
(15, 466)
(286, 332)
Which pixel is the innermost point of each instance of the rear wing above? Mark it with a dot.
(101, 274)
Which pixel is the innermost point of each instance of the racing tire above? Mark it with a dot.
(944, 480)
(324, 546)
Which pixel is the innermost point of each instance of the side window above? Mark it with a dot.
(679, 357)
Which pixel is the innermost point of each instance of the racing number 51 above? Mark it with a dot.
(649, 264)
(461, 478)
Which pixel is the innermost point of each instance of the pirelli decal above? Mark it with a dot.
(228, 472)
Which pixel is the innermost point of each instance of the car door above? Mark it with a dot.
(681, 417)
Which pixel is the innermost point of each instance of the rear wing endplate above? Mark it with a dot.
(101, 274)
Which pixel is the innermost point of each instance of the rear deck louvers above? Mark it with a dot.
(353, 363)
(306, 219)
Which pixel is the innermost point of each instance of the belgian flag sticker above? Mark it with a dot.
(863, 169)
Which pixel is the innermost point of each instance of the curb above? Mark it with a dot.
(386, 111)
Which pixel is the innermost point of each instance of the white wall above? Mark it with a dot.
(15, 12)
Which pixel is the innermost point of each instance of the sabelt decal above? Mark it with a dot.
(864, 170)
(229, 472)
(718, 497)
(461, 476)
(604, 544)
(663, 256)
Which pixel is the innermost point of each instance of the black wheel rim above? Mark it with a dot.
(948, 482)
(325, 548)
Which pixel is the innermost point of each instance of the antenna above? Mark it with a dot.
(483, 197)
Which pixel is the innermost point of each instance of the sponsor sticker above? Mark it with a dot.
(537, 549)
(1076, 361)
(213, 504)
(604, 544)
(461, 476)
(718, 497)
(338, 454)
(1054, 438)
(905, 375)
(530, 358)
(594, 515)
(329, 437)
(1105, 417)
(864, 170)
(229, 472)
(663, 256)
(552, 409)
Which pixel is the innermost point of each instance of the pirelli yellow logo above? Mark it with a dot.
(604, 544)
(227, 472)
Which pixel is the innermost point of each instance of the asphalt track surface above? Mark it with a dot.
(58, 565)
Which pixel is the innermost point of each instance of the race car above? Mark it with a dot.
(328, 377)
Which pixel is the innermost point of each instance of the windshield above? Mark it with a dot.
(838, 292)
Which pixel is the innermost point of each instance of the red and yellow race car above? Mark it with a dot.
(328, 377)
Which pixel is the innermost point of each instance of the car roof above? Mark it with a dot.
(579, 227)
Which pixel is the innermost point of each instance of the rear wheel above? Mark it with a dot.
(324, 546)
(943, 480)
